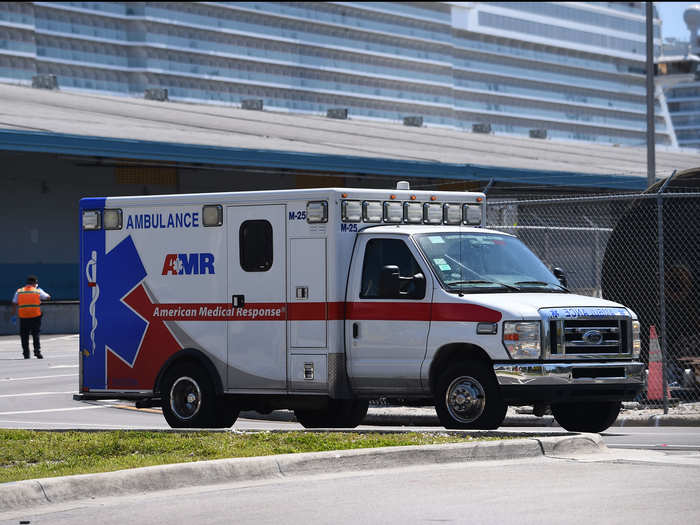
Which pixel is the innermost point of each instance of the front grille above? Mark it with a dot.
(595, 338)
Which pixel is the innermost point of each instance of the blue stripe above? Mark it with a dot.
(12, 140)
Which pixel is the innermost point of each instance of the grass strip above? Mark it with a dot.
(29, 454)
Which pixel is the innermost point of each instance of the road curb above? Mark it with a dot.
(383, 417)
(36, 492)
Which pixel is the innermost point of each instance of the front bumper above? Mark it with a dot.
(523, 383)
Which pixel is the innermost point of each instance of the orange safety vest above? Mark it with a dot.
(28, 301)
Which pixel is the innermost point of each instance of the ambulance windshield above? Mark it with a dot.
(481, 262)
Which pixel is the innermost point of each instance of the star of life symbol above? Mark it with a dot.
(91, 274)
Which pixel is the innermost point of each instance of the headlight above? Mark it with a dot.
(522, 339)
(636, 341)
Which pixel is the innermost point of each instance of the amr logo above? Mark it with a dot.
(188, 264)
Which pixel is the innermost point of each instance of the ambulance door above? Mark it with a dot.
(257, 331)
(387, 333)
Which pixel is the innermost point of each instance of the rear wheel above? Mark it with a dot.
(467, 397)
(340, 413)
(189, 400)
(586, 417)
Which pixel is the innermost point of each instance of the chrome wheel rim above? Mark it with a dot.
(185, 398)
(465, 399)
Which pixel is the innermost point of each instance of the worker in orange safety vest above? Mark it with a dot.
(27, 301)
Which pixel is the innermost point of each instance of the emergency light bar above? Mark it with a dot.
(432, 213)
(393, 212)
(472, 214)
(410, 212)
(351, 211)
(452, 213)
(413, 212)
(372, 211)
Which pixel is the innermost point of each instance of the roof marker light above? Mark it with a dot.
(316, 211)
(112, 219)
(92, 220)
(212, 215)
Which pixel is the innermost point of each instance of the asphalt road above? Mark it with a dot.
(37, 394)
(595, 489)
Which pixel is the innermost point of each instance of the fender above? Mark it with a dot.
(190, 354)
(454, 352)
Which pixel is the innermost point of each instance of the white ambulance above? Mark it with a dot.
(322, 300)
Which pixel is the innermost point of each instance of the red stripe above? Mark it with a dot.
(462, 312)
(389, 311)
(306, 311)
(334, 311)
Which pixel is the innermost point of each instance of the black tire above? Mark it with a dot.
(189, 399)
(586, 417)
(467, 397)
(340, 413)
(226, 413)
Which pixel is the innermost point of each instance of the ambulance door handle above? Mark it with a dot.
(355, 330)
(238, 301)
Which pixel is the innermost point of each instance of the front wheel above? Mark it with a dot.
(586, 417)
(467, 397)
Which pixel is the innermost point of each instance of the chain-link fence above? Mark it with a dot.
(639, 250)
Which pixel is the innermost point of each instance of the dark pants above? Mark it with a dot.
(28, 326)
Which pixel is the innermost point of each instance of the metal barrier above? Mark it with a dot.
(639, 250)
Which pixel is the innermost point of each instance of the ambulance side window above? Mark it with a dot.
(388, 252)
(255, 244)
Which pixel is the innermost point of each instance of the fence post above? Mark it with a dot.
(662, 296)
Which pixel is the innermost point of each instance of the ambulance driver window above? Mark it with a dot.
(255, 241)
(381, 253)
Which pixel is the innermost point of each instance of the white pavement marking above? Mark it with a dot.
(74, 336)
(54, 410)
(75, 425)
(35, 394)
(15, 340)
(64, 366)
(35, 377)
(661, 446)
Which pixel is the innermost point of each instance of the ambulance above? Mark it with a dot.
(321, 300)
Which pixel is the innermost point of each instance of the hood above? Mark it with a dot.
(518, 306)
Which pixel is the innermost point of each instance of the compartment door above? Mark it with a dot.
(257, 326)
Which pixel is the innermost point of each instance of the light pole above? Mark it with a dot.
(651, 142)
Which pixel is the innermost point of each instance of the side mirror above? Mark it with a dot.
(419, 286)
(389, 282)
(559, 274)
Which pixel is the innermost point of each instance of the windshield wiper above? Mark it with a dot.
(479, 281)
(542, 283)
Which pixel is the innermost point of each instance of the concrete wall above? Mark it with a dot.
(60, 317)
